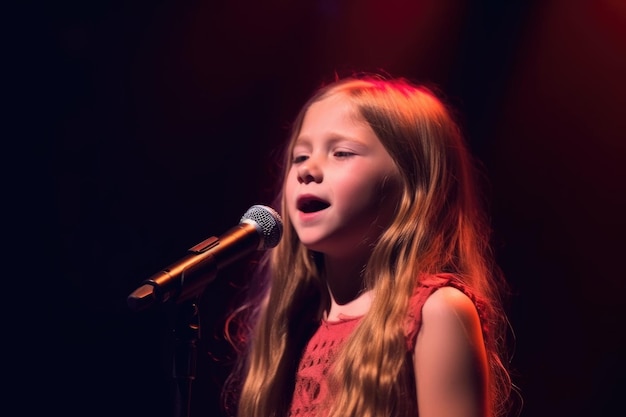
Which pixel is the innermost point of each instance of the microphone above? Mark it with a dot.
(260, 228)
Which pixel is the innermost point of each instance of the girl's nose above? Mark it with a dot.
(309, 171)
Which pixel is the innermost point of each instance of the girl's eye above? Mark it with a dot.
(298, 159)
(343, 154)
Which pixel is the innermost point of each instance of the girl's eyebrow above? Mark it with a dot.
(301, 140)
(332, 138)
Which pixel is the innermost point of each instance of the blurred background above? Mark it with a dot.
(152, 125)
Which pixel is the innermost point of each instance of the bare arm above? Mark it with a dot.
(450, 359)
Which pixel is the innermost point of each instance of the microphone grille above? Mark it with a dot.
(268, 223)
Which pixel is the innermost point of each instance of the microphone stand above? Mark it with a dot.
(186, 329)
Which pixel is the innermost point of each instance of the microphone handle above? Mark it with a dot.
(188, 277)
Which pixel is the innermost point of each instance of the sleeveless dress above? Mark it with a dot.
(311, 378)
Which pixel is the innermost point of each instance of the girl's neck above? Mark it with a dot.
(346, 287)
(355, 308)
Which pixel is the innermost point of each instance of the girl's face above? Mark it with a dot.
(342, 187)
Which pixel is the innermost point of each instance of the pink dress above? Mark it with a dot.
(311, 379)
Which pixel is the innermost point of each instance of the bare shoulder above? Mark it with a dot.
(450, 362)
(449, 303)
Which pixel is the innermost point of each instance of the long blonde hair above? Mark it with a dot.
(439, 226)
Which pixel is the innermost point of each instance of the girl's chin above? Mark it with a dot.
(315, 243)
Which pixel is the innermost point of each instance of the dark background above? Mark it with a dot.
(150, 125)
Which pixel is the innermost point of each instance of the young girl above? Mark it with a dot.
(381, 298)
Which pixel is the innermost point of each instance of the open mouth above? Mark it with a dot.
(310, 204)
